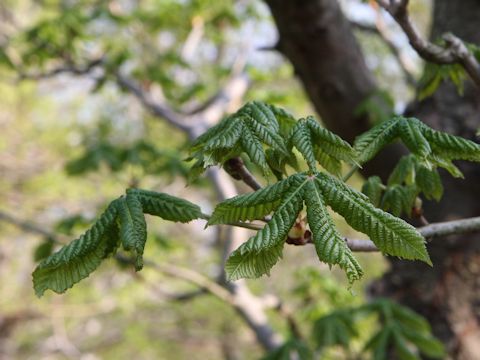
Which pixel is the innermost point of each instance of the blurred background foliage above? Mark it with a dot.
(69, 144)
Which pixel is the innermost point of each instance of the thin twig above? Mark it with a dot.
(189, 275)
(454, 52)
(236, 168)
(67, 68)
(440, 229)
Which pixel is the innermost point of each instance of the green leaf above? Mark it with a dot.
(253, 129)
(166, 206)
(285, 199)
(401, 347)
(390, 234)
(330, 143)
(133, 228)
(302, 140)
(373, 189)
(329, 163)
(404, 171)
(427, 344)
(413, 138)
(399, 199)
(122, 222)
(336, 328)
(316, 143)
(403, 330)
(447, 165)
(261, 252)
(430, 183)
(379, 343)
(451, 147)
(371, 142)
(251, 206)
(330, 246)
(254, 149)
(81, 257)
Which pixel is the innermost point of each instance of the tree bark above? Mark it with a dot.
(317, 39)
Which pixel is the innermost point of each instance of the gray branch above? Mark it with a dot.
(454, 227)
(455, 51)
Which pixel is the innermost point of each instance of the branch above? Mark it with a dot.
(158, 109)
(27, 226)
(188, 275)
(454, 227)
(67, 68)
(236, 168)
(455, 51)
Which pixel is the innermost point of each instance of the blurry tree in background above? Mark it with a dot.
(99, 96)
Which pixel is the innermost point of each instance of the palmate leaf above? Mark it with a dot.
(433, 146)
(122, 223)
(258, 255)
(267, 134)
(403, 331)
(81, 257)
(250, 130)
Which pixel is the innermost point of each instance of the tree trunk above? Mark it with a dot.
(318, 40)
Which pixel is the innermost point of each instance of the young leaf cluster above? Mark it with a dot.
(401, 331)
(287, 198)
(267, 135)
(121, 224)
(408, 180)
(432, 147)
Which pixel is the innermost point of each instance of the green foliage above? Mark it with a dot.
(316, 143)
(77, 260)
(291, 349)
(251, 128)
(142, 154)
(401, 332)
(373, 188)
(256, 257)
(410, 178)
(435, 74)
(336, 328)
(267, 135)
(122, 223)
(431, 146)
